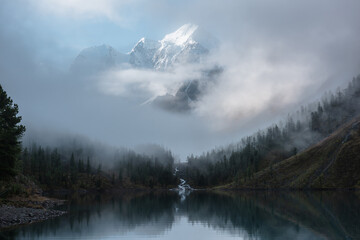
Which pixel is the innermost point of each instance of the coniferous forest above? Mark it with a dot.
(54, 169)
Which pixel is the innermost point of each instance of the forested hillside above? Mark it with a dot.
(332, 163)
(308, 126)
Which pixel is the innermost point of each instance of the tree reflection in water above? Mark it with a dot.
(255, 215)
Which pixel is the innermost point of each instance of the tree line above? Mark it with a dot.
(145, 170)
(54, 169)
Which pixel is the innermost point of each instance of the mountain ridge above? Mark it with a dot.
(188, 44)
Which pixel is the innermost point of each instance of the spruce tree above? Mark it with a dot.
(10, 134)
(88, 166)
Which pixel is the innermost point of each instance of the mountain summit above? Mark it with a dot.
(188, 44)
(190, 34)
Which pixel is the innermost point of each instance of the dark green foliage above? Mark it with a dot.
(88, 166)
(81, 167)
(10, 133)
(145, 170)
(51, 168)
(73, 169)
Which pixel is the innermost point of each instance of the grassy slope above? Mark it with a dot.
(332, 163)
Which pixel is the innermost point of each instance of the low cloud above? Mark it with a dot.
(251, 83)
(254, 84)
(145, 84)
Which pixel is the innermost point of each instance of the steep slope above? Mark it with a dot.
(188, 44)
(143, 52)
(332, 163)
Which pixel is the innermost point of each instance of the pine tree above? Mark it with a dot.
(73, 170)
(10, 134)
(88, 167)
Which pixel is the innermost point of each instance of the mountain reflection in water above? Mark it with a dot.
(204, 215)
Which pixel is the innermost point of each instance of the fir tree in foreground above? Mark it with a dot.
(10, 134)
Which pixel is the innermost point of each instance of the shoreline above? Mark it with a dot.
(20, 211)
(11, 216)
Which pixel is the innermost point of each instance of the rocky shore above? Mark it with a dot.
(11, 216)
(23, 202)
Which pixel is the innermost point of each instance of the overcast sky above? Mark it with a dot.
(276, 54)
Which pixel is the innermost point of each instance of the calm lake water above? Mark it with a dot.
(203, 215)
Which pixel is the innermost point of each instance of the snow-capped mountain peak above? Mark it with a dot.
(188, 44)
(182, 35)
(145, 44)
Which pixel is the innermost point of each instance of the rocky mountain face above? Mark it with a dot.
(188, 93)
(143, 53)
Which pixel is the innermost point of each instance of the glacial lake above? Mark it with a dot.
(203, 215)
